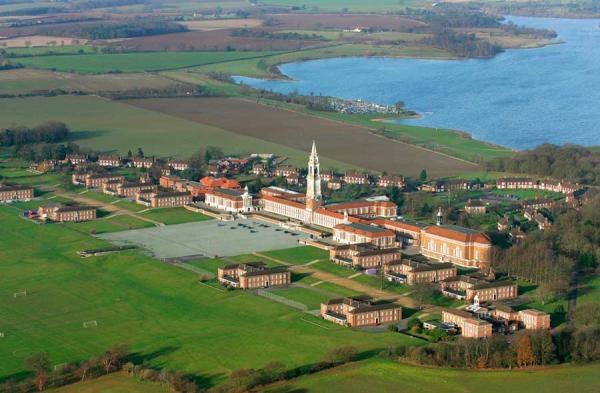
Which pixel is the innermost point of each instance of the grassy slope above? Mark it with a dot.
(113, 126)
(159, 309)
(113, 383)
(132, 62)
(298, 255)
(386, 376)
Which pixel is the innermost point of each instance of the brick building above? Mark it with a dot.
(231, 200)
(407, 232)
(76, 159)
(62, 213)
(469, 326)
(95, 180)
(12, 193)
(353, 177)
(364, 256)
(334, 184)
(253, 275)
(142, 162)
(109, 161)
(461, 246)
(516, 183)
(285, 171)
(412, 272)
(391, 181)
(178, 165)
(534, 319)
(475, 207)
(356, 233)
(365, 208)
(360, 311)
(128, 190)
(164, 198)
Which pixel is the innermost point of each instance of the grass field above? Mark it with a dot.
(113, 383)
(160, 310)
(379, 375)
(129, 127)
(298, 255)
(312, 299)
(50, 50)
(132, 62)
(26, 80)
(346, 5)
(174, 215)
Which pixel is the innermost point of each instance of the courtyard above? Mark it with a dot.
(211, 238)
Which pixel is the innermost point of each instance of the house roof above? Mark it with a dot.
(457, 312)
(494, 284)
(456, 232)
(364, 229)
(13, 187)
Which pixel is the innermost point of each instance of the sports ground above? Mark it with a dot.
(207, 238)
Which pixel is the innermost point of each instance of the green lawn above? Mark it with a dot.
(109, 224)
(174, 215)
(161, 310)
(384, 376)
(298, 255)
(375, 282)
(113, 383)
(333, 268)
(311, 298)
(132, 62)
(529, 194)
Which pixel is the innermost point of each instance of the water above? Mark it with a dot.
(521, 98)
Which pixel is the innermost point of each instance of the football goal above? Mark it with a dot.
(89, 324)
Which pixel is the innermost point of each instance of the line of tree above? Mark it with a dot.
(524, 349)
(110, 30)
(569, 162)
(42, 376)
(276, 35)
(51, 132)
(462, 45)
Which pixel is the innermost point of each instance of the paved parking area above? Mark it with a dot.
(208, 238)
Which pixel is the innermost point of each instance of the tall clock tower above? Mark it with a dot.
(313, 181)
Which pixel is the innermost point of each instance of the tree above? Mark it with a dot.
(587, 314)
(341, 355)
(40, 365)
(273, 371)
(423, 292)
(114, 356)
(423, 175)
(213, 153)
(140, 152)
(525, 356)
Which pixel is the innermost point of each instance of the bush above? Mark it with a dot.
(341, 355)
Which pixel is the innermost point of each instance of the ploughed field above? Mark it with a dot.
(340, 141)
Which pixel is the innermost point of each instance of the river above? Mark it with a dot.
(520, 98)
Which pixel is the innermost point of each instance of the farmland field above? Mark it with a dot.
(127, 128)
(386, 376)
(341, 141)
(26, 80)
(135, 300)
(131, 62)
(351, 5)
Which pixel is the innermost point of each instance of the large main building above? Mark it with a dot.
(374, 221)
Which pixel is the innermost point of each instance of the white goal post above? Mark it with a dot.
(89, 324)
(19, 293)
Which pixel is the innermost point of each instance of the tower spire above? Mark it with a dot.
(313, 180)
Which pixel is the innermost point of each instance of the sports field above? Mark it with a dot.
(208, 238)
(161, 310)
(378, 375)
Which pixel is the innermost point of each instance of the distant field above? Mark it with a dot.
(379, 375)
(113, 126)
(340, 141)
(174, 215)
(36, 42)
(131, 62)
(27, 80)
(346, 5)
(217, 24)
(298, 255)
(161, 310)
(48, 50)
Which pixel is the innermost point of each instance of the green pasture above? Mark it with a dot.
(132, 62)
(311, 298)
(378, 375)
(162, 311)
(49, 50)
(330, 267)
(113, 383)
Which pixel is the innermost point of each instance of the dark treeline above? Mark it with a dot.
(574, 8)
(34, 11)
(569, 162)
(166, 92)
(51, 132)
(451, 16)
(74, 7)
(276, 35)
(104, 31)
(525, 349)
(523, 30)
(462, 45)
